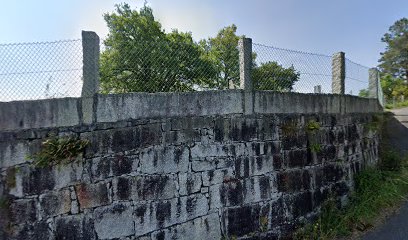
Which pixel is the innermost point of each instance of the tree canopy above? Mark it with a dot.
(394, 60)
(139, 56)
(272, 76)
(222, 51)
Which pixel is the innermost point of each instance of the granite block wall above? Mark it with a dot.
(211, 175)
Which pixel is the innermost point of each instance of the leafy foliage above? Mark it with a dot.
(272, 76)
(394, 60)
(55, 151)
(141, 57)
(363, 93)
(222, 51)
(312, 126)
(393, 87)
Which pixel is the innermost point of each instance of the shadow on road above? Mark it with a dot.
(395, 133)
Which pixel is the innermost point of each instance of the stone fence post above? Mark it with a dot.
(245, 67)
(245, 63)
(338, 73)
(317, 89)
(90, 69)
(90, 73)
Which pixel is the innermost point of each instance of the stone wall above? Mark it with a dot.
(212, 165)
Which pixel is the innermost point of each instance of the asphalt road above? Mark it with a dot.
(396, 227)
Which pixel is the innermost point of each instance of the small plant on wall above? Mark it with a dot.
(311, 128)
(56, 151)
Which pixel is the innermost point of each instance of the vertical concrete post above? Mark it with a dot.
(245, 67)
(338, 73)
(245, 63)
(90, 70)
(90, 73)
(318, 89)
(373, 80)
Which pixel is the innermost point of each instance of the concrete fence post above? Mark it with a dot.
(245, 67)
(318, 89)
(245, 63)
(373, 80)
(338, 73)
(90, 70)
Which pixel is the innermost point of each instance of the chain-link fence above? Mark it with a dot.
(357, 79)
(30, 71)
(162, 66)
(288, 70)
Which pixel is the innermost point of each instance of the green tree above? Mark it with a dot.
(272, 76)
(141, 57)
(393, 87)
(394, 60)
(222, 51)
(363, 93)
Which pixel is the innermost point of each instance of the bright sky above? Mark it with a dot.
(320, 26)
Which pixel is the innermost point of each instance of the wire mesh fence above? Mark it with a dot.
(356, 79)
(288, 70)
(162, 66)
(30, 71)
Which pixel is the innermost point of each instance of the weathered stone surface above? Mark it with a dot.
(37, 180)
(207, 227)
(92, 195)
(299, 204)
(37, 230)
(68, 175)
(160, 214)
(114, 221)
(182, 176)
(23, 210)
(74, 227)
(164, 160)
(154, 187)
(55, 112)
(292, 181)
(14, 152)
(237, 225)
(55, 203)
(189, 183)
(116, 165)
(213, 177)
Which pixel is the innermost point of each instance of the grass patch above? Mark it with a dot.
(375, 190)
(397, 105)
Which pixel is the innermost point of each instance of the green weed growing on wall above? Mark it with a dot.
(311, 128)
(56, 151)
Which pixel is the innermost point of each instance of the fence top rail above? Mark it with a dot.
(358, 64)
(291, 50)
(39, 42)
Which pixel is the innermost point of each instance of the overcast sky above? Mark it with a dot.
(320, 26)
